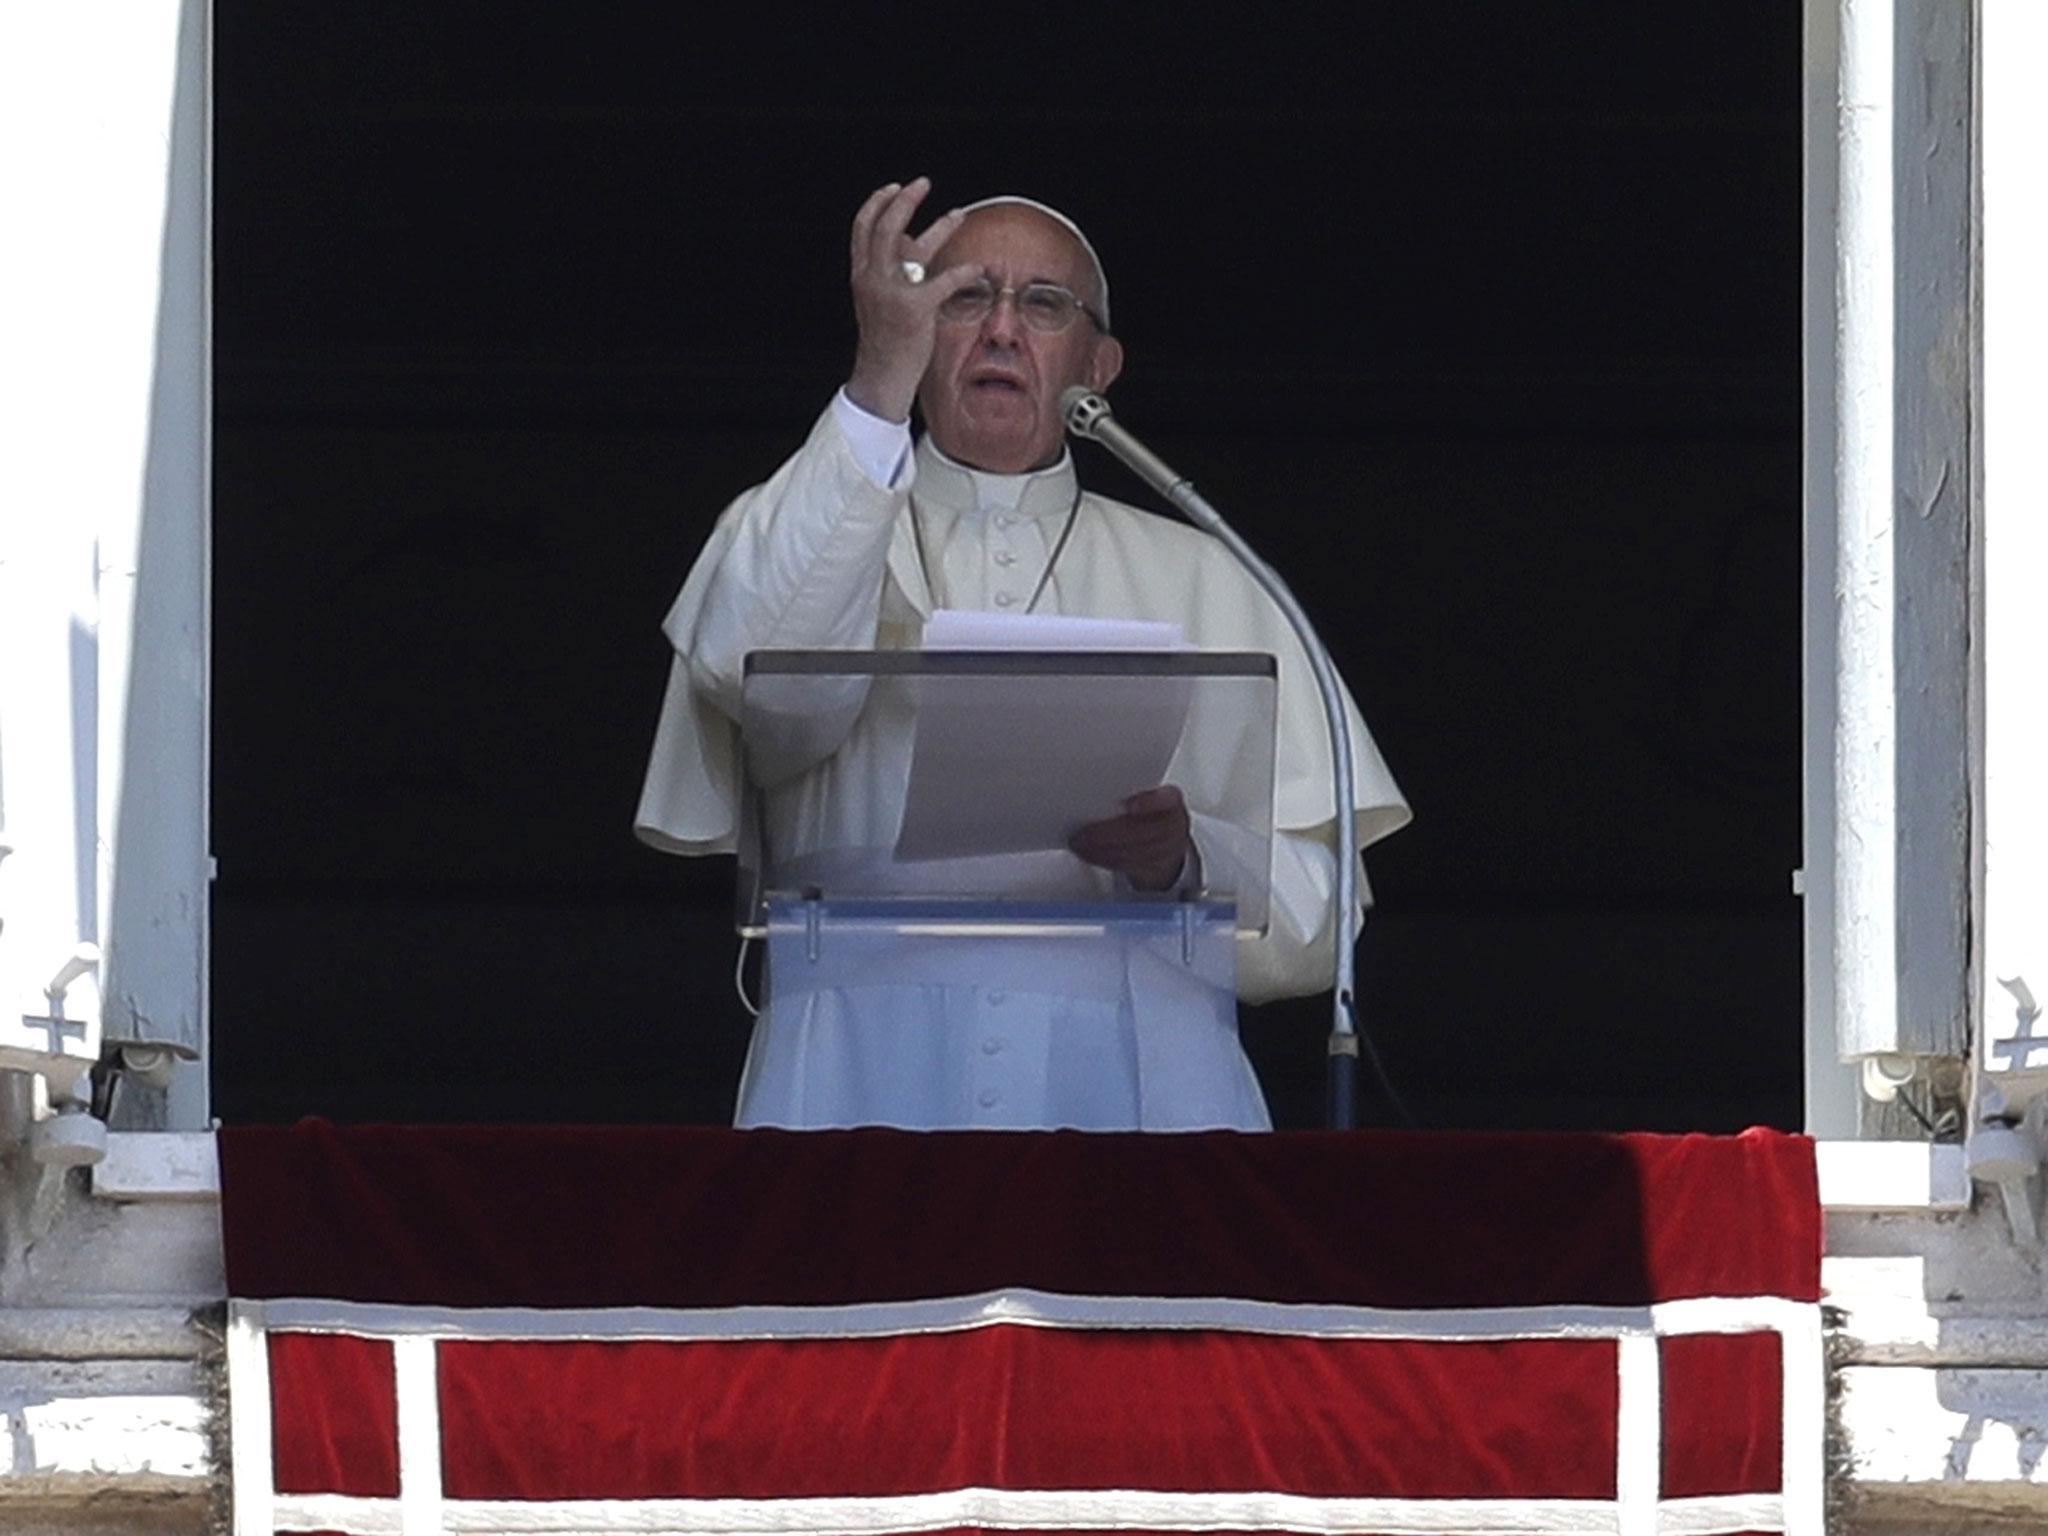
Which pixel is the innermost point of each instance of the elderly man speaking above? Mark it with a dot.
(980, 322)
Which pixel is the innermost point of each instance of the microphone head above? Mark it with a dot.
(1083, 409)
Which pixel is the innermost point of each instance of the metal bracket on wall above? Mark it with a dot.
(55, 1037)
(2008, 1103)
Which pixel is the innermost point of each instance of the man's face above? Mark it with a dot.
(991, 396)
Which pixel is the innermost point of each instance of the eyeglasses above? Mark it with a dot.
(1041, 306)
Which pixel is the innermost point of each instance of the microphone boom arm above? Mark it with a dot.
(1088, 415)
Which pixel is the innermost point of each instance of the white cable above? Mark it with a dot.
(739, 978)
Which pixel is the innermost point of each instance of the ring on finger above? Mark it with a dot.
(914, 270)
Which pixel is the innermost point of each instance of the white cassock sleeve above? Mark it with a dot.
(796, 563)
(880, 447)
(1296, 957)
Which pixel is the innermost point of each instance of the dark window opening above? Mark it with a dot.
(1482, 322)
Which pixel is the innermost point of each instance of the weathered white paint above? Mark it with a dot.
(1833, 1107)
(1887, 288)
(141, 1331)
(158, 1165)
(103, 472)
(47, 890)
(1933, 486)
(1930, 1425)
(1894, 1312)
(1900, 1176)
(1866, 732)
(112, 1437)
(117, 1417)
(2012, 979)
(105, 1254)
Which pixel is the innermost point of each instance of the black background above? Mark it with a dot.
(1480, 319)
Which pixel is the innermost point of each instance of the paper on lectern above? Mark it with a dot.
(1020, 764)
(968, 629)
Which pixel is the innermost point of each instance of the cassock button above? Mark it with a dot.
(988, 1098)
(991, 1047)
(1004, 600)
(1003, 519)
(1005, 557)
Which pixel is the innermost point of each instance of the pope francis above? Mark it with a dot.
(981, 321)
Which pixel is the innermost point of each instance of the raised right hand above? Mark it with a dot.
(898, 318)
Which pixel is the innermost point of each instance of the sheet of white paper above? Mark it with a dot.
(967, 629)
(1019, 764)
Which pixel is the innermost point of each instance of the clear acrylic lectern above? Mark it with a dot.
(906, 815)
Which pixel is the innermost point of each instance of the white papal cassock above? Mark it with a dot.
(823, 555)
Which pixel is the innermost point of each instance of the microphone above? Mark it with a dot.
(1088, 415)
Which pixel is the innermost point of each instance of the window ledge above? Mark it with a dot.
(178, 1167)
(1865, 1176)
(1908, 1177)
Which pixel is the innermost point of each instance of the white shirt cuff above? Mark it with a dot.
(1186, 885)
(881, 448)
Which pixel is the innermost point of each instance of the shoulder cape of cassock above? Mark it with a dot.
(1120, 562)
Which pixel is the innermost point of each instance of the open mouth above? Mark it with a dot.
(997, 382)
